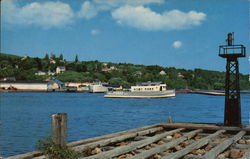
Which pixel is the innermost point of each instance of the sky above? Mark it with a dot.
(170, 33)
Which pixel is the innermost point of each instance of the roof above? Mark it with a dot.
(61, 67)
(57, 81)
(149, 83)
(23, 81)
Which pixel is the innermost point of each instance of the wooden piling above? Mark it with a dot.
(59, 128)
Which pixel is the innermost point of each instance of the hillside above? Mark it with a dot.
(27, 68)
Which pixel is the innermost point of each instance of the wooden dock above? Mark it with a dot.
(165, 141)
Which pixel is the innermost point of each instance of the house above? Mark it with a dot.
(24, 58)
(24, 85)
(55, 84)
(180, 75)
(137, 73)
(106, 68)
(162, 72)
(112, 68)
(60, 69)
(40, 73)
(51, 73)
(8, 79)
(52, 61)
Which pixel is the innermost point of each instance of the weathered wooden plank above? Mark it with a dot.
(40, 157)
(193, 146)
(85, 141)
(191, 156)
(116, 139)
(246, 155)
(26, 155)
(241, 146)
(166, 146)
(132, 146)
(205, 126)
(223, 146)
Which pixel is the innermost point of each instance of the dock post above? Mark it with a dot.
(59, 128)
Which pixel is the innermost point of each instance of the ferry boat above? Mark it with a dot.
(144, 90)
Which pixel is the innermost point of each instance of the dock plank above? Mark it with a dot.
(193, 146)
(132, 146)
(224, 145)
(166, 146)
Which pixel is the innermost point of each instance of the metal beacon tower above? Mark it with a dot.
(232, 112)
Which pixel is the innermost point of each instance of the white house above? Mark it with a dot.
(60, 69)
(180, 75)
(40, 73)
(25, 85)
(162, 72)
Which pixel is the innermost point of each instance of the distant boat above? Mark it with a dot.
(144, 90)
(97, 88)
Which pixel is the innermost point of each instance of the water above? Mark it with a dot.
(25, 117)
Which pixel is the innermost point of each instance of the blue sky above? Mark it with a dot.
(172, 33)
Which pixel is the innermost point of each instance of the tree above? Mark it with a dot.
(61, 57)
(46, 57)
(53, 56)
(76, 58)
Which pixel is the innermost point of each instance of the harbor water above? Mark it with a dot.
(26, 117)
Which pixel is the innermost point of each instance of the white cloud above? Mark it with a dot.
(46, 15)
(116, 3)
(94, 32)
(90, 9)
(177, 44)
(146, 19)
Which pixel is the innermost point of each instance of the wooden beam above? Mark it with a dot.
(36, 154)
(241, 146)
(191, 156)
(224, 145)
(193, 146)
(205, 126)
(246, 155)
(116, 139)
(132, 146)
(166, 146)
(26, 155)
(85, 141)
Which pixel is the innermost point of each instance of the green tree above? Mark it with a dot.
(61, 57)
(53, 56)
(46, 57)
(76, 58)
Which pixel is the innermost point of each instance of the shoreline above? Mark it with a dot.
(204, 92)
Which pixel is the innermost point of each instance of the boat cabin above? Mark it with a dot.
(149, 87)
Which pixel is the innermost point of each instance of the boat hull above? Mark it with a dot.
(157, 94)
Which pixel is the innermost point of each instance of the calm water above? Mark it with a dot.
(25, 117)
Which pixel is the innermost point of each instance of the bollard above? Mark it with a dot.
(59, 128)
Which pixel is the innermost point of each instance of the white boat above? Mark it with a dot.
(144, 90)
(97, 88)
